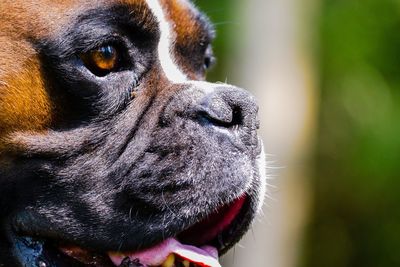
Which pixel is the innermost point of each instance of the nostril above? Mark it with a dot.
(227, 107)
(237, 116)
(220, 111)
(225, 117)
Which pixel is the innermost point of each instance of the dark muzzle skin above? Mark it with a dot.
(118, 160)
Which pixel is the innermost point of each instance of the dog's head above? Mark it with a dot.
(112, 146)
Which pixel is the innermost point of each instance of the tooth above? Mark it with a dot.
(170, 261)
(186, 263)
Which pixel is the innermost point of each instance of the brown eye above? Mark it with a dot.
(102, 60)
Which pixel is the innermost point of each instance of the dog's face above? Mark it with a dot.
(113, 150)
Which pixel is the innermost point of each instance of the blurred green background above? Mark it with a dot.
(353, 217)
(355, 220)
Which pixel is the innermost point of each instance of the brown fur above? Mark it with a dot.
(186, 27)
(24, 101)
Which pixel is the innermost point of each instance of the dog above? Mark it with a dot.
(114, 150)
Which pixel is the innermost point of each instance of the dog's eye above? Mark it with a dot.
(209, 58)
(102, 60)
(208, 62)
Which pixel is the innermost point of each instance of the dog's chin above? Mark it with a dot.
(198, 245)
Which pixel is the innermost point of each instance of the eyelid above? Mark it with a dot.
(109, 40)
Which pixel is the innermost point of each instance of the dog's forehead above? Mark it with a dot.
(180, 14)
(56, 12)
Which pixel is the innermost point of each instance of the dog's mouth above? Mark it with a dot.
(197, 246)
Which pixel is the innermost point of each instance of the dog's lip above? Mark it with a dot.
(208, 229)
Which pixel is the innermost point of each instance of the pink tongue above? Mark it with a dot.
(206, 256)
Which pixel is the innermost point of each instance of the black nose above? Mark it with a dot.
(229, 107)
(215, 107)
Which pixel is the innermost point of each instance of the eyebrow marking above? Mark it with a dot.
(165, 50)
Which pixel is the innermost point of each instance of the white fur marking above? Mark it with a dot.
(171, 70)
